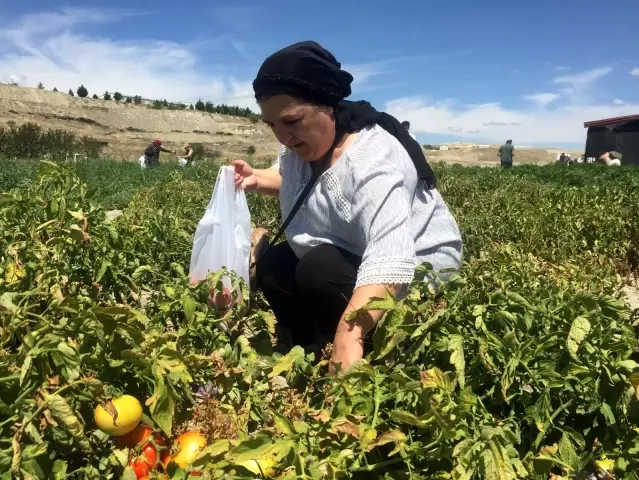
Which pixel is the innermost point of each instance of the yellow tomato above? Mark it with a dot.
(266, 465)
(123, 415)
(189, 446)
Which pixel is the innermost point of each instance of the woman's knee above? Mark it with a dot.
(326, 268)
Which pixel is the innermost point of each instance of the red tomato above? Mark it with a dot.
(143, 464)
(137, 436)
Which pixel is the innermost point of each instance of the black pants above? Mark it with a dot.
(308, 295)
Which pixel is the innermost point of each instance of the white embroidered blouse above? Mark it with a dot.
(372, 204)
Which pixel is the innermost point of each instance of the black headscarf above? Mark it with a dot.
(308, 71)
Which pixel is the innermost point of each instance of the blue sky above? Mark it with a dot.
(458, 70)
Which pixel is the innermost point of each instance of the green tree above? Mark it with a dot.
(192, 107)
(71, 93)
(209, 107)
(82, 91)
(106, 96)
(199, 105)
(165, 104)
(40, 86)
(128, 100)
(137, 100)
(55, 89)
(117, 96)
(95, 96)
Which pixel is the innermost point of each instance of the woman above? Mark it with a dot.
(188, 154)
(611, 159)
(152, 153)
(369, 210)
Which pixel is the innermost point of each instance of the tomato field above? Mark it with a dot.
(522, 366)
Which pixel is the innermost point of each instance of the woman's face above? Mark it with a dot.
(307, 129)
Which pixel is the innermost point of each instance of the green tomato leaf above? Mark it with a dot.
(394, 436)
(456, 347)
(66, 418)
(189, 306)
(162, 406)
(607, 412)
(567, 453)
(579, 330)
(282, 424)
(287, 361)
(401, 416)
(26, 367)
(66, 356)
(129, 474)
(59, 470)
(508, 377)
(629, 365)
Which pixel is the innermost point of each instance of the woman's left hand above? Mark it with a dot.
(348, 346)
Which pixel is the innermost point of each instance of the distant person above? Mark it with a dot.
(406, 125)
(152, 153)
(611, 159)
(188, 154)
(506, 154)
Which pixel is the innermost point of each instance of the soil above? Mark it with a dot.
(128, 129)
(632, 295)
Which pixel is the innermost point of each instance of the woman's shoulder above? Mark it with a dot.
(374, 144)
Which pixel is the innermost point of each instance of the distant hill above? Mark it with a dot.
(128, 129)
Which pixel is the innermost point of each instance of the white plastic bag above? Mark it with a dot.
(141, 162)
(223, 236)
(182, 162)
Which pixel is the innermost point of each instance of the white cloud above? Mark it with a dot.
(542, 99)
(553, 119)
(493, 122)
(363, 72)
(635, 72)
(48, 48)
(581, 80)
(618, 102)
(562, 68)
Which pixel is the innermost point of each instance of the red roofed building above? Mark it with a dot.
(619, 134)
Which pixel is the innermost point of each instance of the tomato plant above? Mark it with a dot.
(521, 366)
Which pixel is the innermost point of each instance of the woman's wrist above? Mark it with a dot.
(267, 182)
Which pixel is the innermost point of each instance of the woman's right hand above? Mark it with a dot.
(245, 177)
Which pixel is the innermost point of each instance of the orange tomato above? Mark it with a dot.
(189, 445)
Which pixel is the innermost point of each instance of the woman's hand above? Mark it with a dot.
(245, 177)
(223, 300)
(348, 346)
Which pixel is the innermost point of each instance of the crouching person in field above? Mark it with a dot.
(358, 200)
